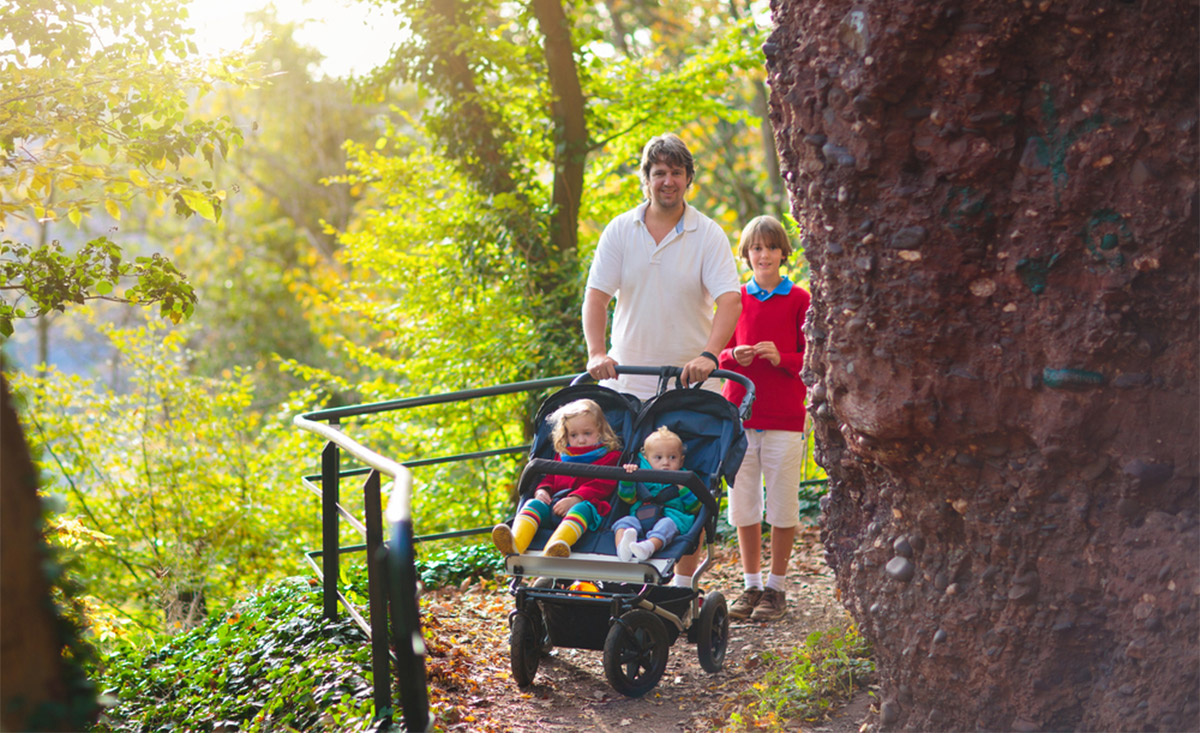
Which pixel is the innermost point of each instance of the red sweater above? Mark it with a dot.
(596, 490)
(779, 393)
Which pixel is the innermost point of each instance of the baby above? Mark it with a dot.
(661, 510)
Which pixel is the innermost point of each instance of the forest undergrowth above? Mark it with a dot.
(273, 663)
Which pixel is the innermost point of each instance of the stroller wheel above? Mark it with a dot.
(635, 653)
(525, 646)
(712, 632)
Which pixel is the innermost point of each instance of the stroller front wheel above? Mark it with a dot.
(635, 653)
(525, 647)
(712, 632)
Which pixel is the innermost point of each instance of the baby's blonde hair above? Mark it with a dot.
(558, 418)
(663, 434)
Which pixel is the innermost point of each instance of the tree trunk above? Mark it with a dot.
(35, 693)
(1000, 202)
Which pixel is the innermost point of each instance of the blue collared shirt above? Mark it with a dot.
(783, 288)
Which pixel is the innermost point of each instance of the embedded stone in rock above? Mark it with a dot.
(889, 712)
(1146, 474)
(900, 568)
(908, 238)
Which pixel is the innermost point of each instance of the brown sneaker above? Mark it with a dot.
(502, 538)
(746, 603)
(772, 606)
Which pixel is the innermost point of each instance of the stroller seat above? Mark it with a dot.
(714, 446)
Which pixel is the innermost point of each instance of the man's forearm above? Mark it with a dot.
(595, 321)
(729, 308)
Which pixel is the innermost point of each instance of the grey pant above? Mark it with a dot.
(664, 529)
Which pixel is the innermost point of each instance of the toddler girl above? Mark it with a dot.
(580, 434)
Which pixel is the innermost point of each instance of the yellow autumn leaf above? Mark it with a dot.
(138, 178)
(113, 210)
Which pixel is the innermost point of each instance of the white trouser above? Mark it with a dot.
(773, 460)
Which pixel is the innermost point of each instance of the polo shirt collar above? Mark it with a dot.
(641, 215)
(783, 288)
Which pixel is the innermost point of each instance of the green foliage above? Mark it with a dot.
(184, 496)
(806, 682)
(272, 663)
(51, 279)
(95, 96)
(454, 566)
(264, 272)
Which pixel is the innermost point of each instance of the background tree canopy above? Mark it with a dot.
(423, 229)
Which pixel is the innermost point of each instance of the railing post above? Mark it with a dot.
(377, 597)
(330, 468)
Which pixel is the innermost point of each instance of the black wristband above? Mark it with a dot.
(709, 354)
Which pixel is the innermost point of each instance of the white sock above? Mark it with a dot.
(682, 581)
(753, 580)
(623, 544)
(775, 581)
(642, 550)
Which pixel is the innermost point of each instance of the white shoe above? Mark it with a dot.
(642, 550)
(624, 553)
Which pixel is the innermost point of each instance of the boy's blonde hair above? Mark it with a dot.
(558, 418)
(663, 434)
(769, 231)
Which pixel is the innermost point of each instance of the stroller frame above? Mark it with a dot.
(632, 616)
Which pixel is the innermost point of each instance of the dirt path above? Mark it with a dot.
(570, 691)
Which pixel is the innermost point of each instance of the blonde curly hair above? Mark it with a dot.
(558, 419)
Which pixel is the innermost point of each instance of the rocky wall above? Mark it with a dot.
(999, 202)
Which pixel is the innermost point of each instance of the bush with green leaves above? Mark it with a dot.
(272, 663)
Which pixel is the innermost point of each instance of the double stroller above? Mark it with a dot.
(593, 600)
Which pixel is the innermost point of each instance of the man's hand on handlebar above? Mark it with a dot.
(697, 370)
(602, 366)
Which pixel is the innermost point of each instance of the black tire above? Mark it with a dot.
(712, 632)
(525, 647)
(635, 653)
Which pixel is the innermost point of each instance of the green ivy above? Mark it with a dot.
(272, 663)
(455, 566)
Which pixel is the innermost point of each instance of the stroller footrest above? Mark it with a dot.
(589, 566)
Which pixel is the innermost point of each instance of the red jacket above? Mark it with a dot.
(596, 490)
(778, 391)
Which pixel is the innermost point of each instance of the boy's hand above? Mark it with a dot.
(743, 354)
(630, 467)
(564, 505)
(768, 351)
(543, 496)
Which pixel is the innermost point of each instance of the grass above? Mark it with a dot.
(806, 683)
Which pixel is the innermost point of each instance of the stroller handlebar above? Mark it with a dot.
(666, 373)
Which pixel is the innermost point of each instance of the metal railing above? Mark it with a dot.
(391, 566)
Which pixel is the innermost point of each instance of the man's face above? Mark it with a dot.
(667, 185)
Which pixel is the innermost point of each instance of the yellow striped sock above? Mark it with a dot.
(524, 527)
(569, 531)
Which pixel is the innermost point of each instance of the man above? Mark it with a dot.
(667, 264)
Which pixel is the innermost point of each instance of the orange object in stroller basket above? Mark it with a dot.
(584, 588)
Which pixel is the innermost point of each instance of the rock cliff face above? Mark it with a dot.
(1001, 216)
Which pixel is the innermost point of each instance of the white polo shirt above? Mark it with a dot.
(664, 292)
